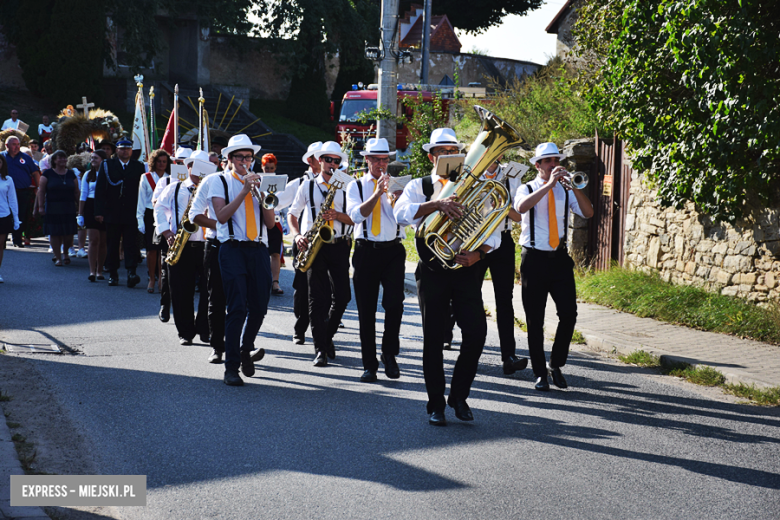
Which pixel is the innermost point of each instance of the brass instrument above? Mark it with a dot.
(269, 201)
(578, 180)
(485, 203)
(320, 233)
(186, 229)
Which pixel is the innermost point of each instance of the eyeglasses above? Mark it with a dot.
(446, 151)
(378, 159)
(243, 158)
(331, 160)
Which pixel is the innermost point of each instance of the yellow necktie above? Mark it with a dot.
(552, 220)
(376, 215)
(332, 206)
(249, 208)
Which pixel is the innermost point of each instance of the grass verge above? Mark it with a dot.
(646, 295)
(705, 376)
(411, 249)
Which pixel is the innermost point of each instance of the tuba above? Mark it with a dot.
(186, 229)
(485, 203)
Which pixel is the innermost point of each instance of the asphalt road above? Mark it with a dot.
(303, 442)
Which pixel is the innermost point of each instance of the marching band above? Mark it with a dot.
(214, 231)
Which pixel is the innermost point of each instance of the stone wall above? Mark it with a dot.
(470, 67)
(686, 247)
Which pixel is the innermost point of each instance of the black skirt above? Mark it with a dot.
(89, 216)
(275, 240)
(149, 231)
(7, 224)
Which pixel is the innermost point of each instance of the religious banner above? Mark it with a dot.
(140, 128)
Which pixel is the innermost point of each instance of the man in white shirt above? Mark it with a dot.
(244, 260)
(300, 282)
(330, 268)
(379, 260)
(13, 122)
(438, 286)
(168, 216)
(546, 267)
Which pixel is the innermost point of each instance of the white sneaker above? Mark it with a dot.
(82, 253)
(72, 251)
(50, 250)
(1, 279)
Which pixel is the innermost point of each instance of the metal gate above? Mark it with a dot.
(609, 192)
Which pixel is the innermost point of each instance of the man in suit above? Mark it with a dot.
(116, 198)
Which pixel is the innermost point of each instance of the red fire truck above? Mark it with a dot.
(359, 100)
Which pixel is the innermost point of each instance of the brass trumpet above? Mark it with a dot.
(269, 201)
(576, 180)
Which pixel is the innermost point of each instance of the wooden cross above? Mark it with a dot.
(86, 106)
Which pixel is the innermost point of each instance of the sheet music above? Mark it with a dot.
(179, 171)
(512, 170)
(200, 168)
(398, 183)
(342, 178)
(277, 182)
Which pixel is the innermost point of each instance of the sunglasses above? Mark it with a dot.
(331, 160)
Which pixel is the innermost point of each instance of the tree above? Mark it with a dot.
(693, 87)
(476, 17)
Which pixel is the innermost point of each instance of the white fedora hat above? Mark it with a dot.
(443, 137)
(240, 142)
(377, 146)
(313, 147)
(547, 150)
(330, 148)
(197, 155)
(182, 152)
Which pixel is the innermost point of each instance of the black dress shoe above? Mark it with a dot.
(462, 410)
(321, 360)
(204, 338)
(542, 384)
(247, 366)
(133, 280)
(185, 341)
(112, 282)
(233, 379)
(331, 350)
(368, 377)
(257, 354)
(513, 364)
(391, 367)
(557, 377)
(215, 357)
(437, 418)
(91, 278)
(165, 312)
(299, 339)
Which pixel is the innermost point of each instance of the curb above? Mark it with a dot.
(10, 465)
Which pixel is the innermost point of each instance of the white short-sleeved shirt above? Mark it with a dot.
(389, 229)
(202, 205)
(541, 216)
(11, 124)
(301, 203)
(413, 197)
(145, 195)
(235, 186)
(165, 209)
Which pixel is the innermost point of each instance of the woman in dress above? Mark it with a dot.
(275, 237)
(96, 231)
(57, 197)
(159, 167)
(9, 208)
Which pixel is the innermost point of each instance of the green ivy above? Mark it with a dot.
(693, 87)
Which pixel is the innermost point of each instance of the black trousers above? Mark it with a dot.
(165, 287)
(546, 273)
(374, 268)
(329, 291)
(216, 311)
(128, 234)
(300, 298)
(183, 278)
(501, 263)
(436, 288)
(23, 210)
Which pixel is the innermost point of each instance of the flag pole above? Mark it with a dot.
(175, 117)
(152, 125)
(201, 101)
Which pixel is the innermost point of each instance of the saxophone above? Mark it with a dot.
(320, 233)
(446, 237)
(186, 229)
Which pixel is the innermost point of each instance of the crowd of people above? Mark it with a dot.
(210, 233)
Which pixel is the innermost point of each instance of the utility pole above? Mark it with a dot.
(426, 43)
(388, 72)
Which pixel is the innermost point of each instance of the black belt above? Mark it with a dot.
(378, 245)
(213, 242)
(550, 254)
(194, 243)
(243, 243)
(340, 239)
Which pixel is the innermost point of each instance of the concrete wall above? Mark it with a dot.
(470, 68)
(685, 247)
